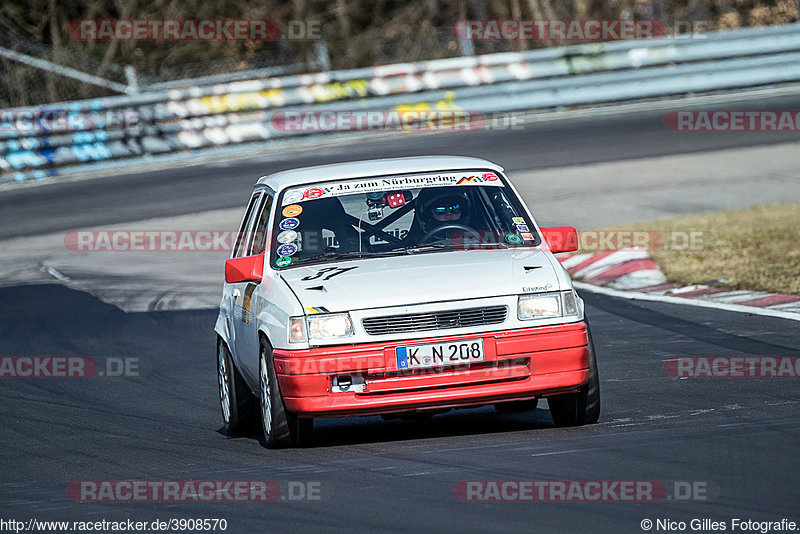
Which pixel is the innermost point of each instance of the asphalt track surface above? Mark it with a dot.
(737, 438)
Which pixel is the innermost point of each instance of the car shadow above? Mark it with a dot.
(341, 431)
(466, 422)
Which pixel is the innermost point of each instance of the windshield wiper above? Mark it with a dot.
(329, 256)
(498, 244)
(412, 249)
(430, 247)
(333, 256)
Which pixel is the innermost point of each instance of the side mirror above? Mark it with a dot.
(245, 269)
(561, 238)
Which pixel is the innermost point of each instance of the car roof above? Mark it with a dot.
(374, 167)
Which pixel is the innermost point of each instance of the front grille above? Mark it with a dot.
(418, 322)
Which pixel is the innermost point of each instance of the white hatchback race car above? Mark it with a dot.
(397, 287)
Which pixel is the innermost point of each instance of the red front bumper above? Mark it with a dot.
(519, 364)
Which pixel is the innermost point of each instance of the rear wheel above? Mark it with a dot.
(583, 407)
(239, 406)
(281, 428)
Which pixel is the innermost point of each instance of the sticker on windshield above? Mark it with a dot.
(485, 177)
(283, 261)
(522, 228)
(287, 236)
(289, 224)
(287, 250)
(312, 193)
(292, 211)
(292, 196)
(527, 236)
(393, 184)
(514, 239)
(518, 220)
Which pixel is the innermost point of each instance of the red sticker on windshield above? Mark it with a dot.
(313, 192)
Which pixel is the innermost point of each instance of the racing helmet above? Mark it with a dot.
(441, 197)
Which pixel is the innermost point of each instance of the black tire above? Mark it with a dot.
(516, 406)
(280, 427)
(239, 406)
(582, 408)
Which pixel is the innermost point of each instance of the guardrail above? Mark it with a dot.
(188, 119)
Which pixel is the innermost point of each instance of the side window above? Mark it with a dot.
(242, 238)
(259, 240)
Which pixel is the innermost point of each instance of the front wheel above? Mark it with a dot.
(583, 407)
(281, 428)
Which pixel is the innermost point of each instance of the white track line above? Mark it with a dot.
(55, 274)
(635, 295)
(794, 306)
(732, 297)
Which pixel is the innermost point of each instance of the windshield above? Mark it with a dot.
(384, 216)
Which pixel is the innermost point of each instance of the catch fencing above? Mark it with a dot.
(57, 139)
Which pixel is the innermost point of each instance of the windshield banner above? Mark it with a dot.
(391, 183)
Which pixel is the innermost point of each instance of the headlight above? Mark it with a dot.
(329, 326)
(548, 305)
(540, 306)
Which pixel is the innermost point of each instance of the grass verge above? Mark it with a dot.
(756, 248)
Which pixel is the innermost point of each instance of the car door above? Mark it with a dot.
(245, 302)
(232, 292)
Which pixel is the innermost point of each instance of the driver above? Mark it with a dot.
(436, 207)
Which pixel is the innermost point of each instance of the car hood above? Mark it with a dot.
(421, 278)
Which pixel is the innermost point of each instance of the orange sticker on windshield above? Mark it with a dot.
(292, 211)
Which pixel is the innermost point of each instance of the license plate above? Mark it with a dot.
(438, 354)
